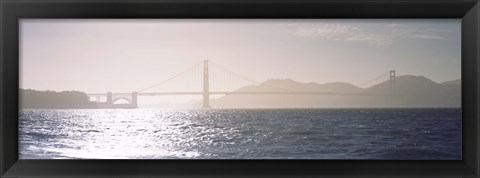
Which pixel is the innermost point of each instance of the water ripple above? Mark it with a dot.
(241, 134)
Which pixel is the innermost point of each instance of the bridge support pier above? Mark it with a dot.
(109, 98)
(206, 87)
(134, 100)
(392, 84)
(392, 79)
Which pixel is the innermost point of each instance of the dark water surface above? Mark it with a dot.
(241, 134)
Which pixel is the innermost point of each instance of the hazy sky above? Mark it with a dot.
(96, 56)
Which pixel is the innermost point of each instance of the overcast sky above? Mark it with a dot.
(128, 55)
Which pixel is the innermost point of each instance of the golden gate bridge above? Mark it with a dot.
(223, 83)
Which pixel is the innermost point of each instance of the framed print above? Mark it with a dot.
(239, 88)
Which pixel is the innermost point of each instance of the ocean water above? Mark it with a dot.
(392, 134)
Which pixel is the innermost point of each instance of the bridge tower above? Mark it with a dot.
(392, 79)
(134, 100)
(206, 92)
(109, 98)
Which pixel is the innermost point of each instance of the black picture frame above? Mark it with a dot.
(13, 10)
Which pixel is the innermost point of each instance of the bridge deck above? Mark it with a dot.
(231, 93)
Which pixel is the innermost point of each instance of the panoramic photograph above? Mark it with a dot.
(349, 89)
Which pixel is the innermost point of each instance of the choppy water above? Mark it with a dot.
(241, 134)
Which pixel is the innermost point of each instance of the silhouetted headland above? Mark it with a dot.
(34, 99)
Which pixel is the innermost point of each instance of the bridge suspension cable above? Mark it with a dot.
(374, 79)
(248, 79)
(364, 83)
(171, 78)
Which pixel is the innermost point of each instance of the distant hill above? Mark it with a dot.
(291, 85)
(454, 87)
(34, 99)
(413, 91)
(409, 91)
(452, 82)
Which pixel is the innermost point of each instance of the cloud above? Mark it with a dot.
(428, 37)
(341, 32)
(392, 25)
(376, 35)
(439, 30)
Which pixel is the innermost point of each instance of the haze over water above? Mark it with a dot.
(413, 115)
